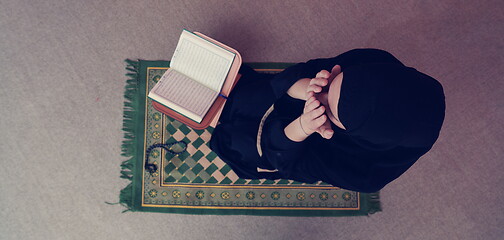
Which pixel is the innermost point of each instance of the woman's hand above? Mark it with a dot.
(322, 81)
(317, 89)
(298, 90)
(313, 119)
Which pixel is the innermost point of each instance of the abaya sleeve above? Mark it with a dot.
(281, 152)
(284, 154)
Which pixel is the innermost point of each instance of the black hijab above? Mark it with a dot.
(383, 106)
(392, 115)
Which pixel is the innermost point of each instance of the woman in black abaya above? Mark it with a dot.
(356, 121)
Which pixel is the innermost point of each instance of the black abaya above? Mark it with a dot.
(346, 160)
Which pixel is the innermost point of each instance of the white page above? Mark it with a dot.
(202, 60)
(185, 92)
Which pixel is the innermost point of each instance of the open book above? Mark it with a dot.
(201, 71)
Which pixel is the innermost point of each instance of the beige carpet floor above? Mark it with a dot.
(61, 99)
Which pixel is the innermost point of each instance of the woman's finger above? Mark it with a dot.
(312, 106)
(310, 100)
(315, 113)
(325, 130)
(319, 81)
(327, 134)
(316, 85)
(309, 94)
(307, 104)
(335, 70)
(323, 74)
(319, 121)
(314, 88)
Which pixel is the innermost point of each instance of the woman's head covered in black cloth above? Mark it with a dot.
(382, 106)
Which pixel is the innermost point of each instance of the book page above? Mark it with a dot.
(202, 60)
(184, 92)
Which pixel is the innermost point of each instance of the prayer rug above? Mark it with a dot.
(197, 181)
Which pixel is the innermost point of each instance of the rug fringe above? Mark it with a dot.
(374, 203)
(130, 112)
(126, 198)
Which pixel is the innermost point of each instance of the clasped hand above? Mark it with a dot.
(314, 118)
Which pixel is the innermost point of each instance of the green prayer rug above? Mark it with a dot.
(197, 181)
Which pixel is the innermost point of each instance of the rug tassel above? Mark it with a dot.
(128, 148)
(374, 203)
(125, 198)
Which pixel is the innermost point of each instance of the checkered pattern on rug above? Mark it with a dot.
(199, 164)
